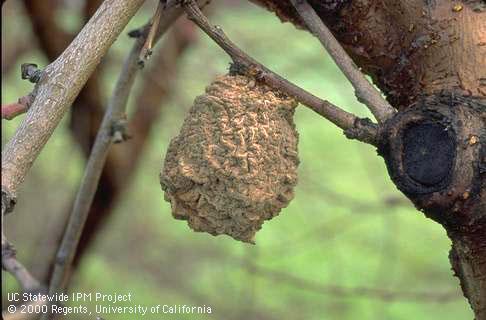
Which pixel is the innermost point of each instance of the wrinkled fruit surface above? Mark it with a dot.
(234, 163)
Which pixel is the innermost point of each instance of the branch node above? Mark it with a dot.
(10, 111)
(363, 130)
(61, 258)
(145, 54)
(31, 72)
(119, 130)
(237, 68)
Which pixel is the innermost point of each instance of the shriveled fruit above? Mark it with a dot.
(234, 163)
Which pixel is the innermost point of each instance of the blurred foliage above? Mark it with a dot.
(347, 226)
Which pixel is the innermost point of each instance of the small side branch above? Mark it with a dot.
(30, 72)
(146, 51)
(10, 263)
(109, 132)
(60, 83)
(365, 92)
(112, 130)
(11, 110)
(243, 63)
(56, 88)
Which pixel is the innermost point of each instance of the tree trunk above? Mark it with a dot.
(429, 58)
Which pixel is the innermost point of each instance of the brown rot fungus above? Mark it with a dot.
(234, 163)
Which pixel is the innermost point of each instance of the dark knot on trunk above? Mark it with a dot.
(435, 151)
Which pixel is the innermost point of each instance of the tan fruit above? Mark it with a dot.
(234, 163)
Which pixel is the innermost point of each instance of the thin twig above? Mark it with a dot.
(120, 165)
(31, 72)
(108, 133)
(243, 63)
(146, 51)
(365, 92)
(10, 264)
(104, 139)
(59, 85)
(85, 116)
(11, 110)
(156, 88)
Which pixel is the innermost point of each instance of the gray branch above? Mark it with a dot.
(59, 85)
(354, 127)
(365, 92)
(111, 131)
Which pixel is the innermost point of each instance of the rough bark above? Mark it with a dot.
(429, 58)
(468, 260)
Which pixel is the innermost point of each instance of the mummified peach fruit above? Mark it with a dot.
(234, 163)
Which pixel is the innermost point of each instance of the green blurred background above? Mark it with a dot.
(349, 246)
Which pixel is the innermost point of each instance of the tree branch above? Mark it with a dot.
(146, 51)
(365, 92)
(57, 88)
(59, 85)
(11, 110)
(86, 114)
(10, 263)
(121, 161)
(156, 87)
(111, 131)
(357, 128)
(87, 110)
